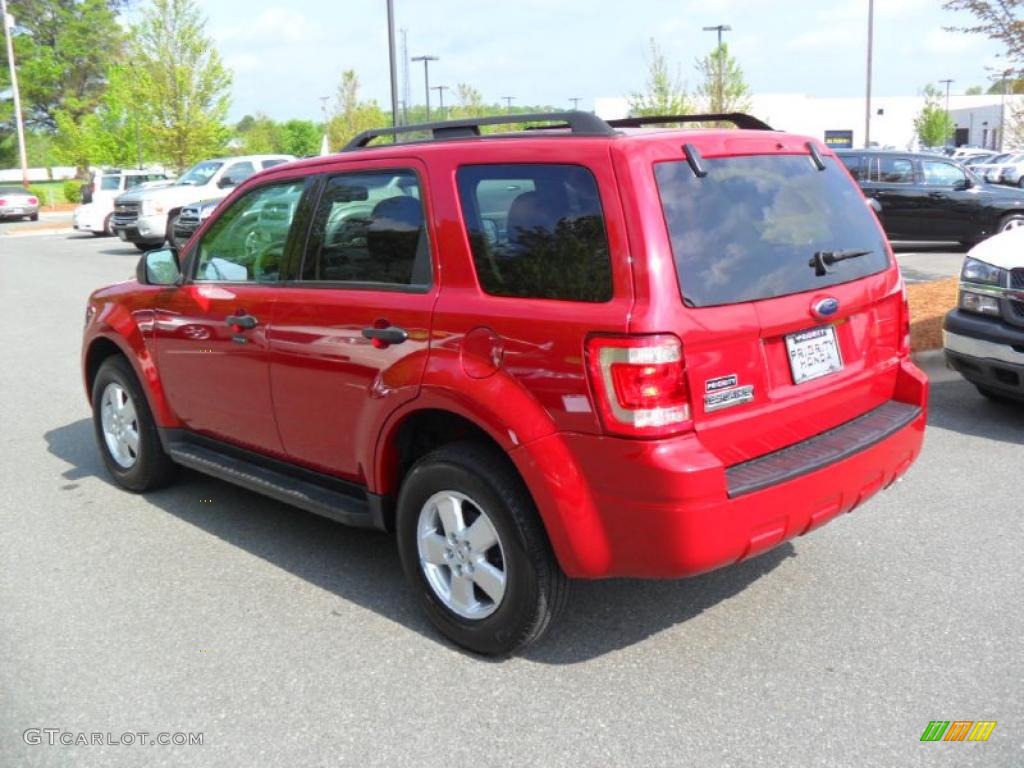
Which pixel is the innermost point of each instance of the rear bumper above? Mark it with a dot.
(665, 509)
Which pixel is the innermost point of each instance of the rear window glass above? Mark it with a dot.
(536, 231)
(110, 182)
(748, 230)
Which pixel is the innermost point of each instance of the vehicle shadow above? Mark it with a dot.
(956, 405)
(363, 567)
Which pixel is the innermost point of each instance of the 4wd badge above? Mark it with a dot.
(722, 392)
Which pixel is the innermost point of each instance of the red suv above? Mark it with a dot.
(588, 350)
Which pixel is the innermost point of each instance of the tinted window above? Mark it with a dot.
(853, 165)
(939, 174)
(247, 241)
(892, 170)
(239, 172)
(272, 163)
(110, 182)
(536, 231)
(369, 228)
(748, 229)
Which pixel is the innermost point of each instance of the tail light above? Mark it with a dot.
(33, 201)
(904, 348)
(639, 383)
(2, 201)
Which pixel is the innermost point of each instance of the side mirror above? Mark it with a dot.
(962, 185)
(158, 268)
(874, 205)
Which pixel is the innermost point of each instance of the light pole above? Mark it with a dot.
(392, 69)
(867, 106)
(440, 97)
(575, 102)
(719, 28)
(948, 81)
(325, 143)
(508, 102)
(19, 122)
(426, 77)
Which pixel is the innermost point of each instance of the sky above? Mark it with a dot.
(286, 55)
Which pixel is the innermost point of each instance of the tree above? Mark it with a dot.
(300, 138)
(111, 135)
(974, 90)
(182, 87)
(665, 94)
(262, 135)
(62, 64)
(723, 88)
(933, 124)
(469, 102)
(998, 19)
(351, 115)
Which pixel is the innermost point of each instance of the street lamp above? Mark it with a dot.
(867, 105)
(508, 102)
(392, 69)
(9, 32)
(440, 97)
(575, 102)
(426, 77)
(719, 28)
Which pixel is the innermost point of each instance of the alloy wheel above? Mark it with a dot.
(461, 555)
(120, 425)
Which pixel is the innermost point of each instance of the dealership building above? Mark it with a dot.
(841, 120)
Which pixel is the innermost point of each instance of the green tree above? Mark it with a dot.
(468, 102)
(665, 94)
(62, 64)
(351, 114)
(974, 90)
(933, 124)
(300, 138)
(182, 88)
(263, 136)
(722, 88)
(1000, 20)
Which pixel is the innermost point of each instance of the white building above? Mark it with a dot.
(892, 120)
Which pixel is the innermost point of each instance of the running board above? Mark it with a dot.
(362, 511)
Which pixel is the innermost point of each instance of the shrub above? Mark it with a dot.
(73, 191)
(43, 193)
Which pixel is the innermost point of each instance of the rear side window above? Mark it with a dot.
(892, 170)
(369, 228)
(748, 230)
(536, 231)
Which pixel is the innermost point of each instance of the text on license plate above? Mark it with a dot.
(813, 353)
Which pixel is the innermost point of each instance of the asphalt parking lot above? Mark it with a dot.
(288, 640)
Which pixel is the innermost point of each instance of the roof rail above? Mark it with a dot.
(579, 124)
(739, 119)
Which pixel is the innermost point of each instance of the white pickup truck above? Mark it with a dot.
(146, 217)
(984, 335)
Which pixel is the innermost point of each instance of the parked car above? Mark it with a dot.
(97, 215)
(18, 203)
(1012, 172)
(984, 335)
(988, 168)
(932, 198)
(146, 217)
(189, 219)
(963, 153)
(601, 350)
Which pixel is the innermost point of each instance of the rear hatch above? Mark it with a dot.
(781, 340)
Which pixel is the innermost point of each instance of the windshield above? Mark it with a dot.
(199, 175)
(748, 229)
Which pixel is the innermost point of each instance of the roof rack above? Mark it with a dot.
(579, 124)
(739, 119)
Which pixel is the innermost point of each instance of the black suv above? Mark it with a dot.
(927, 197)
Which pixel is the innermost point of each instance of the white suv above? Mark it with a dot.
(96, 215)
(146, 217)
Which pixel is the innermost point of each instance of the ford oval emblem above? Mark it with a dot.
(823, 308)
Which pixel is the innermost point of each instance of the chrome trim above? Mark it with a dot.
(984, 350)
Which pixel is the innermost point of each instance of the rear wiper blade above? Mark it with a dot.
(822, 260)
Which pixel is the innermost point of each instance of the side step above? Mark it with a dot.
(363, 511)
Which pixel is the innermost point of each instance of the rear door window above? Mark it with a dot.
(536, 231)
(748, 230)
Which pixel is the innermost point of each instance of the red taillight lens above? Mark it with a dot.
(639, 384)
(33, 201)
(905, 325)
(2, 201)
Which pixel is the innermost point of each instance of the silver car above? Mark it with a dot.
(17, 203)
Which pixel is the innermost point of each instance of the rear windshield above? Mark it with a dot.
(748, 229)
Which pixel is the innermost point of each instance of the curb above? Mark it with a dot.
(38, 232)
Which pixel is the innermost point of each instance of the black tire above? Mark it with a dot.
(152, 468)
(536, 590)
(169, 233)
(1006, 222)
(34, 217)
(996, 396)
(144, 246)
